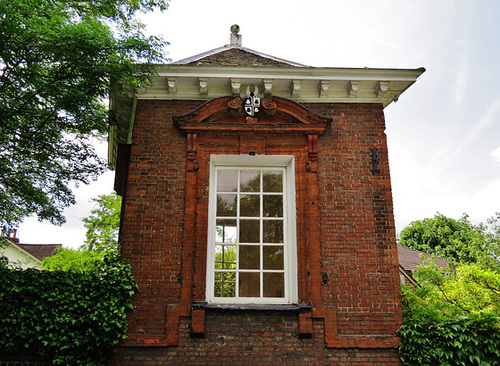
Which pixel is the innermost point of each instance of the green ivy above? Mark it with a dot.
(472, 340)
(73, 318)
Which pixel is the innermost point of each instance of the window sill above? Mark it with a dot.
(298, 308)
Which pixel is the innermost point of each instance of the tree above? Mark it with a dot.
(454, 317)
(103, 223)
(59, 61)
(70, 260)
(102, 226)
(455, 240)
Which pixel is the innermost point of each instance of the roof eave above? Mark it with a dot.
(300, 84)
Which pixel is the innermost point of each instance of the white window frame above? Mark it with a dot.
(290, 258)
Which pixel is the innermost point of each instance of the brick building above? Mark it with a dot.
(257, 212)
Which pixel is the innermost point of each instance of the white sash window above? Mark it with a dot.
(251, 234)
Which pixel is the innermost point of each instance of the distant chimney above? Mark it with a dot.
(11, 235)
(235, 38)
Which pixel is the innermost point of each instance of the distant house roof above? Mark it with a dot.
(25, 255)
(41, 251)
(409, 258)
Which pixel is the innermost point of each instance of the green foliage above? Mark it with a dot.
(58, 60)
(458, 241)
(103, 223)
(453, 319)
(466, 289)
(72, 318)
(102, 239)
(473, 340)
(70, 260)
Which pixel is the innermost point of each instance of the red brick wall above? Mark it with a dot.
(246, 338)
(345, 236)
(357, 224)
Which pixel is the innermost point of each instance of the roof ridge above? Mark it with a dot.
(230, 47)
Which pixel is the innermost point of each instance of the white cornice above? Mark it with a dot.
(299, 83)
(302, 84)
(305, 73)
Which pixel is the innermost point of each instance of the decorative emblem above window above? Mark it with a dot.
(252, 102)
(232, 113)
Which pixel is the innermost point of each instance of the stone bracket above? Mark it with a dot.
(324, 86)
(268, 86)
(203, 85)
(382, 88)
(352, 89)
(236, 86)
(296, 85)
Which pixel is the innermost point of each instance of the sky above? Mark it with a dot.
(443, 133)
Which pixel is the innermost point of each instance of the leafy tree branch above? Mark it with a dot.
(59, 61)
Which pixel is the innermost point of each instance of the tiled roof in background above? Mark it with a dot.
(409, 258)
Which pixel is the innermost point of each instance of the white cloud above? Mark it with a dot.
(496, 154)
(486, 119)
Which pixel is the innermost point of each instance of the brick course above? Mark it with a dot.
(347, 254)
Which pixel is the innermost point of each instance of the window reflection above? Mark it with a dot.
(249, 205)
(227, 180)
(273, 257)
(273, 231)
(274, 285)
(226, 205)
(249, 284)
(249, 257)
(272, 181)
(250, 180)
(249, 231)
(272, 206)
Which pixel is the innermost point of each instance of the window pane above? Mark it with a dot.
(249, 205)
(272, 181)
(226, 205)
(225, 284)
(227, 180)
(249, 231)
(274, 285)
(225, 231)
(250, 180)
(273, 231)
(273, 206)
(249, 257)
(249, 284)
(273, 257)
(225, 257)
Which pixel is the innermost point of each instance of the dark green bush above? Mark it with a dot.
(473, 340)
(73, 318)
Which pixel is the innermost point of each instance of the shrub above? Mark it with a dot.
(473, 340)
(73, 318)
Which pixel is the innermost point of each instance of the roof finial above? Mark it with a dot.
(235, 38)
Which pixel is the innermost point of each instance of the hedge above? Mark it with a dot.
(471, 340)
(71, 318)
